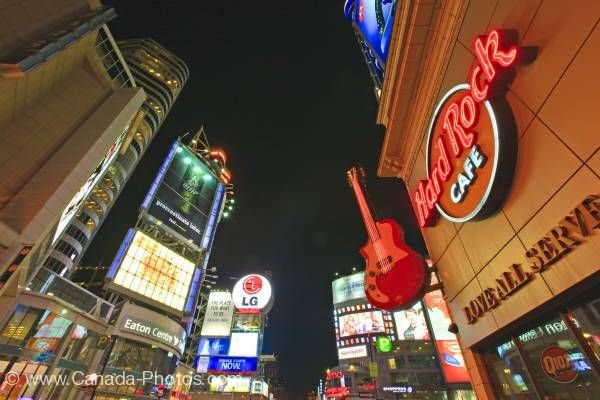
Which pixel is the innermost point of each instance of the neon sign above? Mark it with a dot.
(471, 139)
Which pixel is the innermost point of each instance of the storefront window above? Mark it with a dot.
(586, 319)
(558, 364)
(507, 368)
(19, 326)
(553, 360)
(81, 346)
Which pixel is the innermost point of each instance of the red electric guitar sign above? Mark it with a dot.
(471, 146)
(395, 274)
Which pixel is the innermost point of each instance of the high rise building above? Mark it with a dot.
(388, 355)
(68, 106)
(162, 75)
(156, 276)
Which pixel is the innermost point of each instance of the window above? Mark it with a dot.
(547, 358)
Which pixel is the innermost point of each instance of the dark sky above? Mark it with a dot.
(283, 88)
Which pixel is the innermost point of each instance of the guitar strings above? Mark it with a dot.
(372, 230)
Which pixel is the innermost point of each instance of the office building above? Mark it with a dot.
(162, 75)
(67, 106)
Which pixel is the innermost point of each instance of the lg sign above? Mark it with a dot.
(252, 294)
(471, 148)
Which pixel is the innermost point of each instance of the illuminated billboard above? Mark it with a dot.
(182, 195)
(229, 384)
(355, 323)
(252, 294)
(374, 19)
(361, 323)
(410, 324)
(218, 315)
(450, 354)
(213, 347)
(352, 352)
(348, 288)
(246, 323)
(244, 344)
(153, 271)
(77, 200)
(232, 365)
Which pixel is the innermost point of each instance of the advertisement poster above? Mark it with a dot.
(213, 346)
(244, 344)
(229, 384)
(375, 20)
(218, 316)
(411, 325)
(154, 271)
(453, 363)
(361, 323)
(347, 288)
(232, 365)
(184, 197)
(246, 323)
(77, 200)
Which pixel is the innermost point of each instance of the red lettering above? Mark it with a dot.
(458, 120)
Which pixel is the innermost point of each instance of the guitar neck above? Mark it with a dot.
(365, 211)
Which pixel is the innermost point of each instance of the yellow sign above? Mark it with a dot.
(373, 369)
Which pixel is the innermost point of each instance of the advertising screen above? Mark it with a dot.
(410, 324)
(219, 312)
(375, 19)
(183, 199)
(229, 384)
(244, 344)
(260, 387)
(232, 365)
(154, 271)
(213, 346)
(77, 200)
(352, 352)
(453, 363)
(347, 288)
(361, 323)
(246, 323)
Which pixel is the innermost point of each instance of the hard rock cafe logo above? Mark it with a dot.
(471, 146)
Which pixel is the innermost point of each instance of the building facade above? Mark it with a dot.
(162, 75)
(393, 355)
(488, 109)
(65, 115)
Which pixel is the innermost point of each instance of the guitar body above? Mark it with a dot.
(389, 261)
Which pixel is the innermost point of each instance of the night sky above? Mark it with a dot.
(283, 88)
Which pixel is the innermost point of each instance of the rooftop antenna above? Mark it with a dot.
(199, 143)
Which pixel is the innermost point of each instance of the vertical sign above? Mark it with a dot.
(219, 314)
(451, 358)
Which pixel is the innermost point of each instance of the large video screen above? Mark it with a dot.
(375, 20)
(183, 199)
(246, 323)
(243, 344)
(410, 324)
(361, 323)
(154, 271)
(229, 384)
(77, 200)
(358, 323)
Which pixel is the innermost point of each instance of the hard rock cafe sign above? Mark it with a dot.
(471, 145)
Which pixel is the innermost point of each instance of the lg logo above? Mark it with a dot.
(252, 284)
(252, 293)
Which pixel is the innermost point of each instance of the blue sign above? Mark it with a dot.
(213, 347)
(374, 20)
(232, 365)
